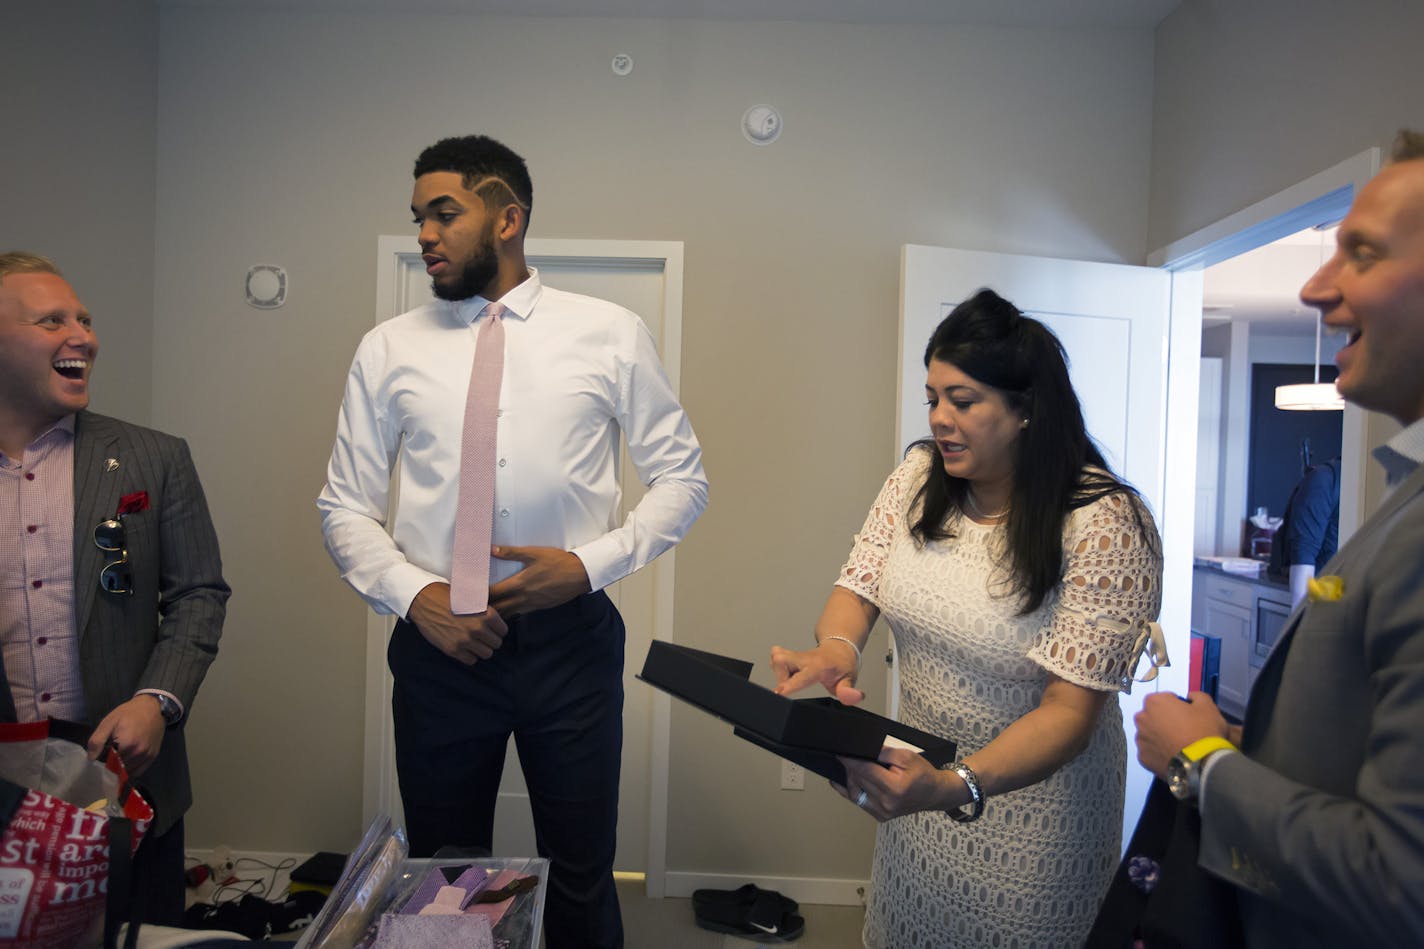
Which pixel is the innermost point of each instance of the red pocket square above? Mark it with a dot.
(133, 503)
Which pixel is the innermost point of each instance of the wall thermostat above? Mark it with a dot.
(266, 286)
(761, 124)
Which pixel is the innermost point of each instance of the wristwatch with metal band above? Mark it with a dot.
(1184, 770)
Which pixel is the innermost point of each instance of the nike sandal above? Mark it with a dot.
(742, 896)
(756, 914)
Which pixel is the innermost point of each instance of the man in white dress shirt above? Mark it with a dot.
(544, 661)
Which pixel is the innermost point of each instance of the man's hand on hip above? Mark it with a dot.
(466, 639)
(136, 730)
(550, 577)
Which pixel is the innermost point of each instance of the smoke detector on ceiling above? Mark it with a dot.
(761, 124)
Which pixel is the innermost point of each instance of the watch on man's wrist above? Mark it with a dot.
(168, 708)
(1184, 770)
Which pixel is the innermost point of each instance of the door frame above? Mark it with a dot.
(1324, 196)
(393, 255)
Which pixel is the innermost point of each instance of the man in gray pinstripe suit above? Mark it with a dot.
(111, 590)
(1314, 809)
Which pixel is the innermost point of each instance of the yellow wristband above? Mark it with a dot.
(1202, 747)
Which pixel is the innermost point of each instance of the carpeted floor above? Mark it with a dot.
(647, 923)
(668, 924)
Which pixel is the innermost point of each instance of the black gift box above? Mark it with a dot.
(811, 732)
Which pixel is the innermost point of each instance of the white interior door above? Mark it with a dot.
(1113, 321)
(1208, 456)
(645, 277)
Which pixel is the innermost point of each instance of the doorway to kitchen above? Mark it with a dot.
(1209, 395)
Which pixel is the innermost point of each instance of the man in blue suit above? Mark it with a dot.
(1314, 809)
(111, 591)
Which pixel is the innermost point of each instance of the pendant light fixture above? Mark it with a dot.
(1314, 396)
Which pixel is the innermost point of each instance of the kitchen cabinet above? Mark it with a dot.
(1230, 607)
(1228, 616)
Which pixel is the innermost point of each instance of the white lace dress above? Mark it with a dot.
(1032, 871)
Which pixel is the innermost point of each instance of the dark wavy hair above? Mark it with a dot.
(489, 168)
(1057, 468)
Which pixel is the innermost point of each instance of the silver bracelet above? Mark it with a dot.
(848, 642)
(976, 793)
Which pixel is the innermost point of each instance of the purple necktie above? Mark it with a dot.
(474, 516)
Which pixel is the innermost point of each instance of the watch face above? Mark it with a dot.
(1177, 779)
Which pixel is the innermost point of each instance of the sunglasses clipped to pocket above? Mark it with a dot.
(110, 537)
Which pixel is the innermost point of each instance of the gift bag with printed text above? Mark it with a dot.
(70, 827)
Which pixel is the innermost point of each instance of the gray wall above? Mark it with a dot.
(77, 172)
(289, 138)
(1251, 98)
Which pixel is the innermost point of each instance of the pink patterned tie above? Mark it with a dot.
(474, 516)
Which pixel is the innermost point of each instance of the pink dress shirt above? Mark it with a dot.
(37, 632)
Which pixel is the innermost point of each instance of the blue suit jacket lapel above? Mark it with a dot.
(97, 488)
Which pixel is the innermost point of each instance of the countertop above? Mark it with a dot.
(1258, 579)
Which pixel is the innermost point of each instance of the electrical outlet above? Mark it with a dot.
(793, 777)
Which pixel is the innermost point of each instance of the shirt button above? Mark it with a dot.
(41, 641)
(499, 413)
(504, 512)
(32, 528)
(45, 696)
(37, 584)
(502, 463)
(29, 476)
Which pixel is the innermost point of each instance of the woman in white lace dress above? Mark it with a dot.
(1016, 573)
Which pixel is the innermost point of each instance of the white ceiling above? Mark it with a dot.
(1263, 285)
(1143, 14)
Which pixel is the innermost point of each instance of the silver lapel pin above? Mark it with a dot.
(111, 464)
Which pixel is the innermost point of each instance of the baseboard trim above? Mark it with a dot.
(275, 858)
(271, 868)
(815, 890)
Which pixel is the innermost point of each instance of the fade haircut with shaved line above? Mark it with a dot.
(21, 261)
(487, 167)
(1408, 146)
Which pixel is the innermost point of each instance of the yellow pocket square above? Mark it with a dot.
(1324, 588)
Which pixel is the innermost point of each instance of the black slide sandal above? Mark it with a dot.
(742, 896)
(749, 911)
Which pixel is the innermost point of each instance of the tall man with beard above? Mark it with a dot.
(543, 659)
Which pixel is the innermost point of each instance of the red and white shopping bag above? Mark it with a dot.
(60, 812)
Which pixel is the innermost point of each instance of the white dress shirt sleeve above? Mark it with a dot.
(354, 502)
(665, 453)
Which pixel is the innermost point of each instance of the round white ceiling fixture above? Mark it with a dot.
(761, 124)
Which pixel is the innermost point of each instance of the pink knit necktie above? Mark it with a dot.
(474, 516)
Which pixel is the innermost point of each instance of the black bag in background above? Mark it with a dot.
(1159, 895)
